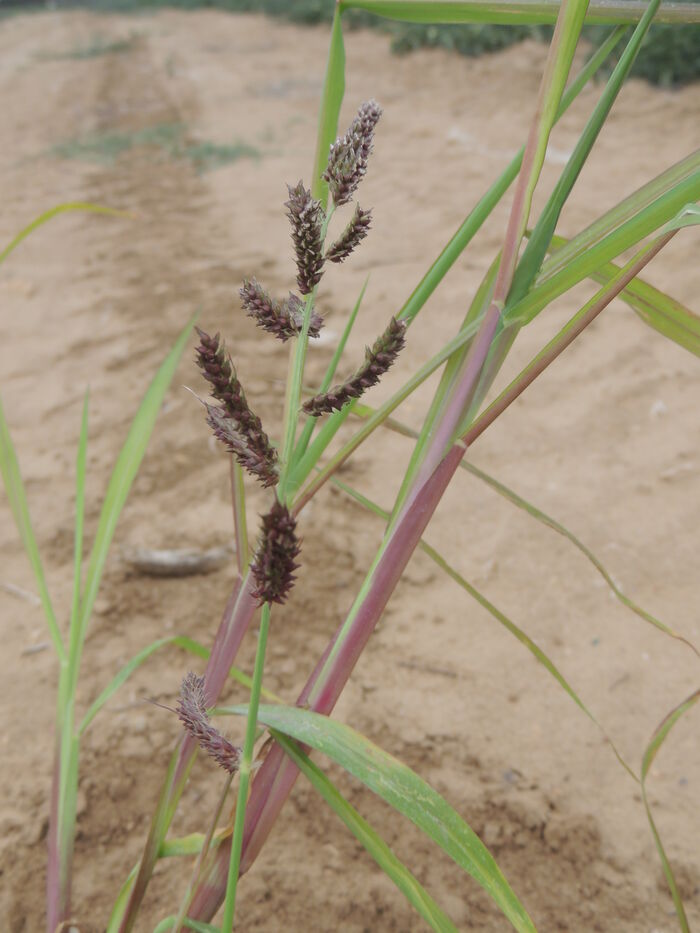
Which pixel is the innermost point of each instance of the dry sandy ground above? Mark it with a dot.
(607, 441)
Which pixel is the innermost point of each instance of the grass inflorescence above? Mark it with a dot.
(532, 269)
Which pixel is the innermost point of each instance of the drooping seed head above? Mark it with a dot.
(283, 319)
(294, 307)
(378, 359)
(349, 154)
(256, 462)
(192, 712)
(275, 559)
(306, 217)
(355, 231)
(218, 369)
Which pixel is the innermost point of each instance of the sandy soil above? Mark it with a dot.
(607, 441)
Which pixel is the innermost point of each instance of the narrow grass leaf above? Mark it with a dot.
(176, 641)
(318, 446)
(650, 752)
(482, 299)
(14, 487)
(409, 886)
(540, 238)
(79, 515)
(404, 790)
(622, 212)
(184, 846)
(473, 222)
(197, 925)
(364, 411)
(81, 206)
(657, 309)
(310, 423)
(561, 529)
(125, 470)
(514, 12)
(662, 210)
(484, 294)
(487, 353)
(500, 617)
(333, 91)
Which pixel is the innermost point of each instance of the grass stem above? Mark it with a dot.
(244, 774)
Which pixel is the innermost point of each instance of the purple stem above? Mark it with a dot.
(277, 775)
(235, 620)
(58, 874)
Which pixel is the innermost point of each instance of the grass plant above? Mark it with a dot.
(534, 266)
(671, 56)
(95, 48)
(169, 139)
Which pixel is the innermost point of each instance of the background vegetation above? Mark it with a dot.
(670, 55)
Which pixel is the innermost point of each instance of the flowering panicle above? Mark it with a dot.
(355, 231)
(192, 712)
(378, 359)
(275, 559)
(225, 430)
(283, 319)
(306, 217)
(349, 154)
(253, 449)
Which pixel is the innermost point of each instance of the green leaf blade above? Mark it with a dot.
(536, 249)
(650, 753)
(514, 12)
(71, 206)
(375, 845)
(125, 470)
(654, 307)
(14, 487)
(404, 790)
(333, 93)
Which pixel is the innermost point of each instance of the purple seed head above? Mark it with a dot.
(218, 370)
(275, 560)
(192, 712)
(257, 463)
(378, 359)
(283, 319)
(355, 231)
(349, 154)
(306, 217)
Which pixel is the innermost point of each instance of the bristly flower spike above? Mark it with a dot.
(349, 154)
(275, 559)
(378, 359)
(218, 369)
(355, 231)
(306, 217)
(283, 319)
(192, 712)
(224, 429)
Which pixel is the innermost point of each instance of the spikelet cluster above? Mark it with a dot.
(306, 217)
(354, 233)
(282, 318)
(275, 559)
(192, 712)
(234, 416)
(378, 359)
(349, 154)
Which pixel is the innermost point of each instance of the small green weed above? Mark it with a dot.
(208, 155)
(98, 46)
(167, 138)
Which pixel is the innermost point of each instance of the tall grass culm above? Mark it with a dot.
(534, 266)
